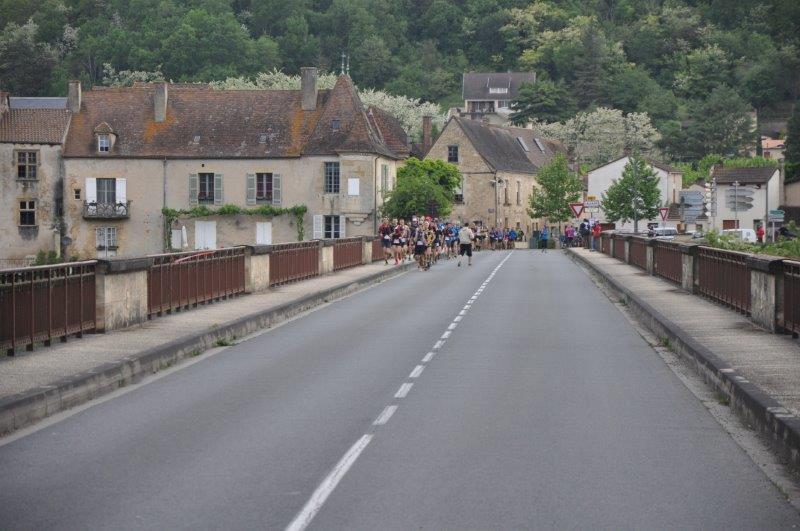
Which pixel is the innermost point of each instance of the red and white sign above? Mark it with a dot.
(663, 211)
(577, 209)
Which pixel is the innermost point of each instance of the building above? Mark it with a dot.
(32, 132)
(133, 154)
(498, 168)
(488, 96)
(758, 190)
(773, 148)
(670, 183)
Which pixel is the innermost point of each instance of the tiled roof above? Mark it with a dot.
(743, 175)
(772, 143)
(33, 126)
(390, 129)
(508, 148)
(652, 162)
(476, 85)
(226, 123)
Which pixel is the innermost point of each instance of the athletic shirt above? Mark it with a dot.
(385, 231)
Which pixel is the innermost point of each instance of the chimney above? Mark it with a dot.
(427, 130)
(160, 102)
(4, 105)
(74, 97)
(308, 87)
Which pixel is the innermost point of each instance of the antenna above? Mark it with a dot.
(348, 65)
(344, 56)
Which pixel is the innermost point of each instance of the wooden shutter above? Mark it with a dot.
(91, 190)
(263, 233)
(251, 188)
(100, 236)
(193, 188)
(319, 227)
(342, 224)
(121, 185)
(218, 195)
(276, 188)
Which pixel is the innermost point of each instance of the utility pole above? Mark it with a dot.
(635, 165)
(736, 203)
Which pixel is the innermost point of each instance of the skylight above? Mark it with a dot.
(523, 144)
(539, 144)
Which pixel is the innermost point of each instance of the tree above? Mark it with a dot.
(721, 124)
(25, 65)
(634, 196)
(792, 151)
(423, 187)
(544, 100)
(558, 187)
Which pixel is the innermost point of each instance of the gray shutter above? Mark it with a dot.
(218, 195)
(319, 227)
(251, 188)
(193, 188)
(342, 225)
(276, 188)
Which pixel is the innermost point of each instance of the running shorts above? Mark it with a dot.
(465, 249)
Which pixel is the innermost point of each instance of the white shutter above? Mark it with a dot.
(176, 237)
(353, 186)
(193, 188)
(251, 188)
(342, 224)
(199, 235)
(263, 233)
(121, 185)
(100, 236)
(211, 234)
(319, 227)
(219, 197)
(276, 189)
(91, 195)
(205, 234)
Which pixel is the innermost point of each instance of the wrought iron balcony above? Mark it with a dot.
(95, 210)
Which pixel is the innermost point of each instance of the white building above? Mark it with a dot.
(765, 185)
(488, 95)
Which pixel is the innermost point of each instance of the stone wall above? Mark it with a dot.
(121, 293)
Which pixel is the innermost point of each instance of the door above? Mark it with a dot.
(205, 234)
(263, 233)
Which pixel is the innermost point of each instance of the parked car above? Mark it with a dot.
(663, 233)
(747, 235)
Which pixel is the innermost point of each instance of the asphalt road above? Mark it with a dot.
(540, 408)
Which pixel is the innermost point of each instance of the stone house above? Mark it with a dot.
(488, 95)
(132, 152)
(32, 132)
(498, 168)
(757, 192)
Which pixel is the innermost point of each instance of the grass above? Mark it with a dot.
(222, 343)
(622, 302)
(664, 342)
(722, 398)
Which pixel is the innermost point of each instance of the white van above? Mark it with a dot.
(664, 233)
(747, 235)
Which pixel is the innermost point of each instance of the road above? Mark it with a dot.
(458, 398)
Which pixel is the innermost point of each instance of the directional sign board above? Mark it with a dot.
(592, 203)
(692, 203)
(577, 209)
(778, 216)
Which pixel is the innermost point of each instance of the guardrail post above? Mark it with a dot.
(256, 268)
(689, 267)
(765, 290)
(627, 240)
(651, 256)
(121, 293)
(326, 256)
(366, 249)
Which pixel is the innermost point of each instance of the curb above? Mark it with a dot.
(755, 407)
(23, 409)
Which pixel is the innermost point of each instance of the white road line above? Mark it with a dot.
(467, 307)
(314, 504)
(428, 357)
(417, 371)
(457, 318)
(438, 345)
(405, 388)
(462, 312)
(453, 325)
(385, 415)
(446, 334)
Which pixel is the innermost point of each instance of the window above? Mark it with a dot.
(458, 193)
(264, 187)
(196, 139)
(452, 153)
(106, 191)
(205, 235)
(498, 90)
(384, 180)
(331, 177)
(263, 233)
(27, 164)
(353, 186)
(539, 144)
(103, 143)
(334, 125)
(503, 104)
(106, 238)
(332, 227)
(205, 188)
(522, 144)
(76, 193)
(505, 197)
(27, 213)
(519, 193)
(262, 138)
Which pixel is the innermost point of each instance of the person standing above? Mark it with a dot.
(569, 234)
(465, 237)
(596, 232)
(760, 233)
(543, 237)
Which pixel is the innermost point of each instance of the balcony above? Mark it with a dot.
(95, 210)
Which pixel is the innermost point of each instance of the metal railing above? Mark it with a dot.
(39, 304)
(377, 249)
(605, 243)
(619, 247)
(293, 261)
(668, 261)
(725, 277)
(637, 251)
(347, 252)
(95, 210)
(181, 280)
(791, 296)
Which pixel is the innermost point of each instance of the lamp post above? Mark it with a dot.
(496, 182)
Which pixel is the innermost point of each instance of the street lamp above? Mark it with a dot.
(496, 182)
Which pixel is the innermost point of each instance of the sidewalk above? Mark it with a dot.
(58, 376)
(760, 371)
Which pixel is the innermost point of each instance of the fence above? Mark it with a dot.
(724, 277)
(668, 261)
(637, 252)
(619, 247)
(290, 262)
(180, 280)
(605, 244)
(791, 296)
(377, 249)
(39, 304)
(347, 252)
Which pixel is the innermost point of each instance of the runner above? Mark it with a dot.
(452, 251)
(465, 238)
(397, 244)
(385, 232)
(420, 246)
(543, 237)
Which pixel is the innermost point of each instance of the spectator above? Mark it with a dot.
(596, 231)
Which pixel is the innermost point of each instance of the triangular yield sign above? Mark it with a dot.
(663, 211)
(577, 209)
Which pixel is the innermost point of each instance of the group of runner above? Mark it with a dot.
(426, 240)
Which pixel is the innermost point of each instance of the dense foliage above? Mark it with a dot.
(557, 188)
(424, 187)
(695, 67)
(784, 247)
(635, 196)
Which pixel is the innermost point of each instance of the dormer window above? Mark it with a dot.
(262, 138)
(498, 90)
(334, 125)
(196, 139)
(103, 143)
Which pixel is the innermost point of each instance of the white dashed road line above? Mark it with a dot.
(405, 388)
(417, 371)
(385, 415)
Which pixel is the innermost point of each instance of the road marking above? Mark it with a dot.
(446, 334)
(417, 371)
(403, 391)
(428, 357)
(438, 345)
(314, 504)
(457, 318)
(467, 307)
(462, 312)
(385, 415)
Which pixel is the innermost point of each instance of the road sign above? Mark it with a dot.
(594, 210)
(777, 216)
(592, 203)
(663, 211)
(591, 197)
(577, 209)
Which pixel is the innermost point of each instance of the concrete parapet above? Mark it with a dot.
(765, 278)
(121, 293)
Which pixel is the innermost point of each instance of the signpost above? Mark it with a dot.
(775, 216)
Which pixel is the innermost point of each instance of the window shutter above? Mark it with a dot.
(100, 236)
(319, 227)
(263, 233)
(218, 195)
(276, 188)
(193, 188)
(342, 224)
(353, 185)
(251, 188)
(91, 189)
